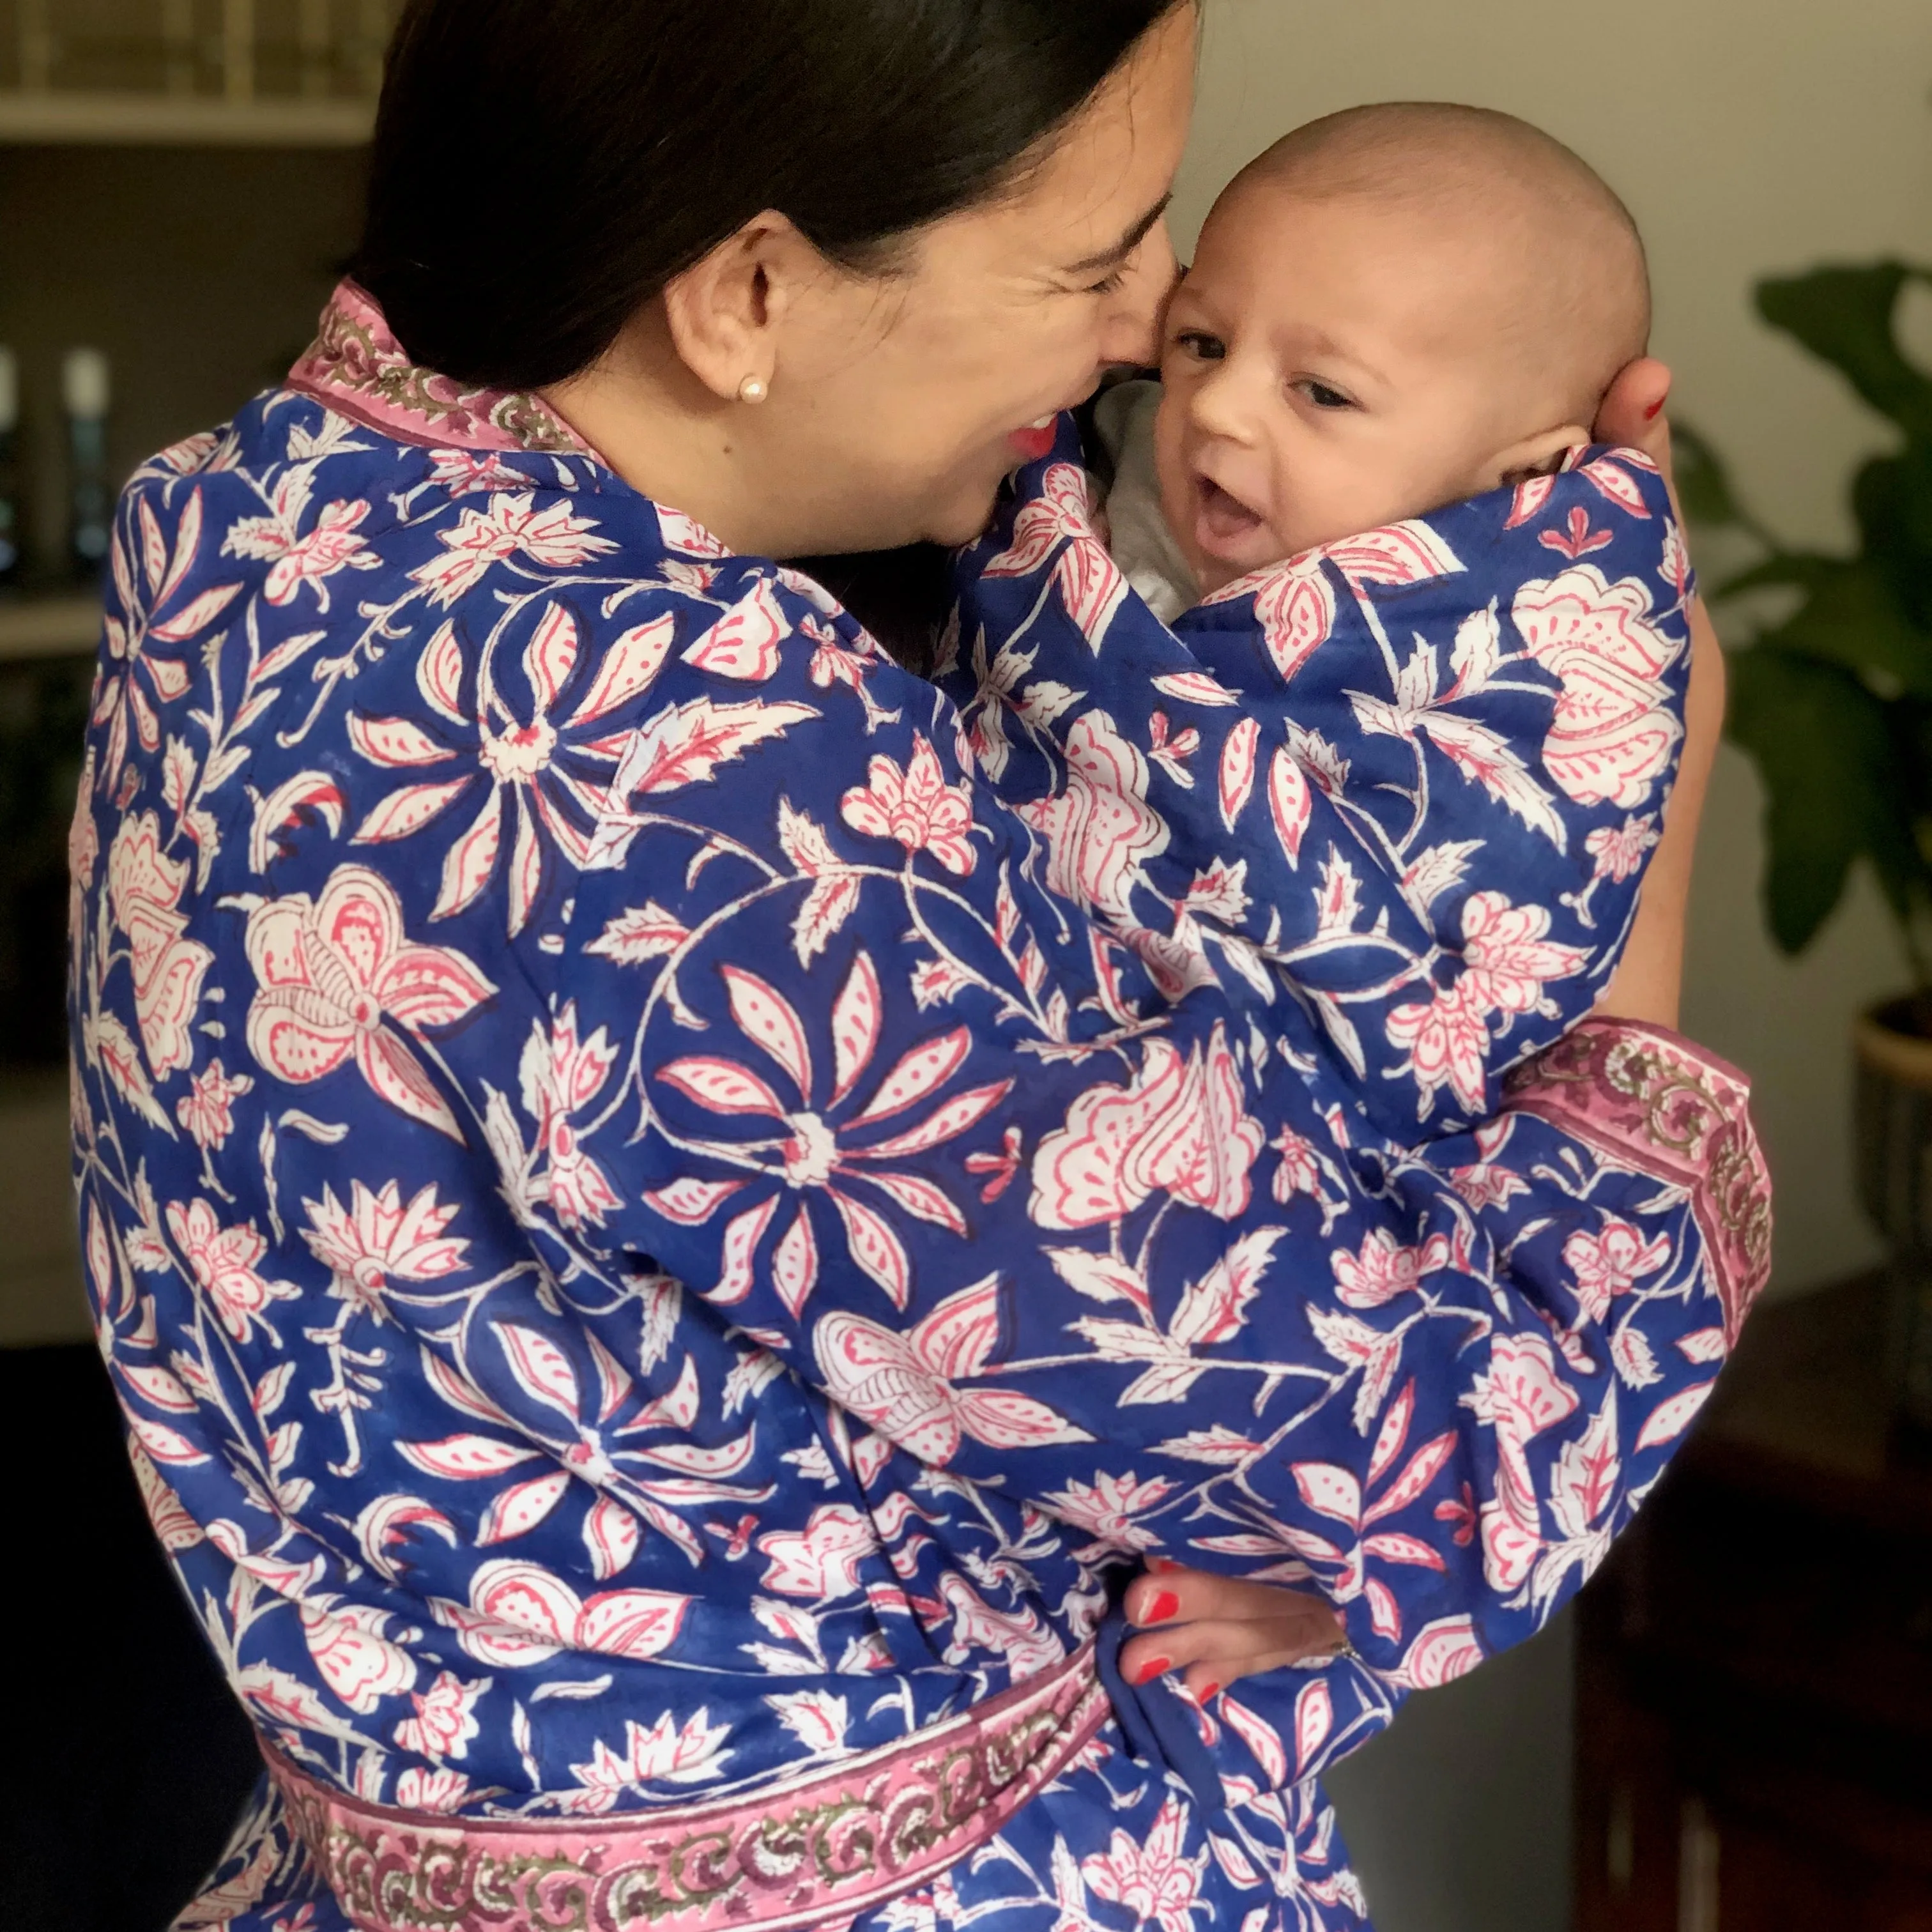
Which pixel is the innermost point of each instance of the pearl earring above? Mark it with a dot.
(753, 389)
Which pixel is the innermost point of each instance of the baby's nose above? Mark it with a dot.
(1223, 401)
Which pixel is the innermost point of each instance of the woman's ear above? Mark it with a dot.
(725, 312)
(1541, 454)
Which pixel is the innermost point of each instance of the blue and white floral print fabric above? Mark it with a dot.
(641, 1242)
(1415, 774)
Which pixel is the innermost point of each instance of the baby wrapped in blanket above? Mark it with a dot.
(1379, 695)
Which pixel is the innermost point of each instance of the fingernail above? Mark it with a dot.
(1656, 409)
(1207, 1693)
(1160, 1606)
(1159, 1565)
(1155, 1667)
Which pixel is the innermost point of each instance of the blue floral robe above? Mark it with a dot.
(643, 1245)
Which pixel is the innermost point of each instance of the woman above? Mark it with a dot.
(653, 1270)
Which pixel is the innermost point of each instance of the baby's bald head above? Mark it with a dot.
(1563, 261)
(1391, 309)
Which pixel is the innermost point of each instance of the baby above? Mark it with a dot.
(1389, 723)
(1391, 309)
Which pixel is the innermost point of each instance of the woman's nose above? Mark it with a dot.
(1131, 333)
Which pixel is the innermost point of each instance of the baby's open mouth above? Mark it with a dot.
(1221, 521)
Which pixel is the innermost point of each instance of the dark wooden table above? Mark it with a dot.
(1754, 1669)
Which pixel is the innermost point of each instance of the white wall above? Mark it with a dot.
(1749, 136)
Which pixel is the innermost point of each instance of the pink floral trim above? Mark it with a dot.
(809, 1851)
(1652, 1099)
(358, 367)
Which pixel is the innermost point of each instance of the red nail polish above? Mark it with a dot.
(1159, 1565)
(1207, 1693)
(1656, 409)
(1155, 1667)
(1161, 1606)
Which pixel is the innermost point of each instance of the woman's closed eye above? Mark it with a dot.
(1323, 395)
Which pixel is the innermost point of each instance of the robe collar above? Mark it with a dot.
(356, 367)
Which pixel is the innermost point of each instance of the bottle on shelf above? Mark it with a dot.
(86, 390)
(9, 470)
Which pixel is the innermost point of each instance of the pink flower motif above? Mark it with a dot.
(1506, 962)
(829, 1145)
(128, 668)
(1383, 1268)
(904, 1385)
(1155, 1881)
(824, 1561)
(1099, 828)
(145, 887)
(462, 471)
(512, 526)
(336, 976)
(222, 1261)
(1443, 1650)
(915, 805)
(1520, 1395)
(665, 1754)
(1179, 1127)
(1612, 736)
(1106, 1508)
(352, 1651)
(519, 1613)
(1611, 1263)
(1090, 585)
(330, 546)
(1506, 956)
(83, 837)
(561, 1076)
(445, 1720)
(1300, 1169)
(1448, 1042)
(207, 1109)
(551, 779)
(377, 1239)
(1619, 851)
(438, 1792)
(1484, 1183)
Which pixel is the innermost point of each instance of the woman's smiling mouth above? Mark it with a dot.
(1036, 439)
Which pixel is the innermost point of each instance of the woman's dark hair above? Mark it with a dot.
(542, 167)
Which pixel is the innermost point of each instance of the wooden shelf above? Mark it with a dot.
(49, 627)
(55, 119)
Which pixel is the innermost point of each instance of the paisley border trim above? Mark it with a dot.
(1651, 1098)
(807, 1851)
(358, 367)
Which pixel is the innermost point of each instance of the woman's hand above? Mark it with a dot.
(1216, 1629)
(1648, 983)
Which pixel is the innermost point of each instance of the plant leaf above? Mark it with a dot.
(1821, 742)
(1844, 317)
(1850, 616)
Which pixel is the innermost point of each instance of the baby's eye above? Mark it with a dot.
(1202, 346)
(1323, 396)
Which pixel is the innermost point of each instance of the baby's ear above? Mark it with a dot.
(1541, 454)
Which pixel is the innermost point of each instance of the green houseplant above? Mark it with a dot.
(1832, 699)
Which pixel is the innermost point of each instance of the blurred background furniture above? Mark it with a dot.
(180, 184)
(1754, 1664)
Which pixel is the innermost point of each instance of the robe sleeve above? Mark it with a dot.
(922, 1126)
(1414, 776)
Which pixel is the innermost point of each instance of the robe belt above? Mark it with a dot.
(814, 1849)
